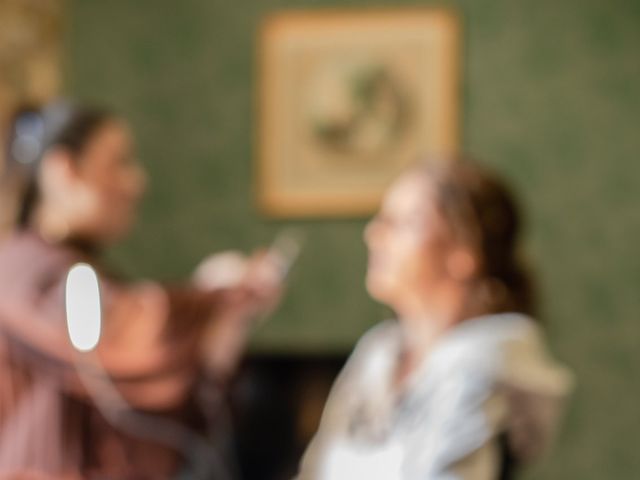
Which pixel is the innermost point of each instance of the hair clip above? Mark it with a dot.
(27, 144)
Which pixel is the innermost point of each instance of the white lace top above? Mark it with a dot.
(488, 376)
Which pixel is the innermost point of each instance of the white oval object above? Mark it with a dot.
(83, 307)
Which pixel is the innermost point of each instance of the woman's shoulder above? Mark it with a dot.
(25, 242)
(374, 352)
(381, 337)
(490, 332)
(478, 346)
(28, 261)
(509, 347)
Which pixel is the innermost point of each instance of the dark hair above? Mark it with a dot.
(34, 131)
(482, 213)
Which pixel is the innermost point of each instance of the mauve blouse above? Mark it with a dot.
(149, 347)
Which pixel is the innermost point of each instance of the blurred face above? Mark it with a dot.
(407, 241)
(108, 184)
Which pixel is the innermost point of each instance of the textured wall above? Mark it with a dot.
(551, 98)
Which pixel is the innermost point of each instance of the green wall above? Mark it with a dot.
(551, 98)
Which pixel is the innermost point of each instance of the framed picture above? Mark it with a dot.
(347, 100)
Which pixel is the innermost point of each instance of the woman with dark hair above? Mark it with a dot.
(460, 386)
(164, 349)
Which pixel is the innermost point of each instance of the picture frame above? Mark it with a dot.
(347, 99)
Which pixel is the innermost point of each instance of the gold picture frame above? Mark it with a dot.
(347, 100)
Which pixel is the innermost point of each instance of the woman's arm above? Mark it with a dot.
(152, 336)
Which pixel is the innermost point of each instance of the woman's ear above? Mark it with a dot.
(56, 171)
(462, 264)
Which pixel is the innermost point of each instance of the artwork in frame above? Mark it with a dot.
(347, 100)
